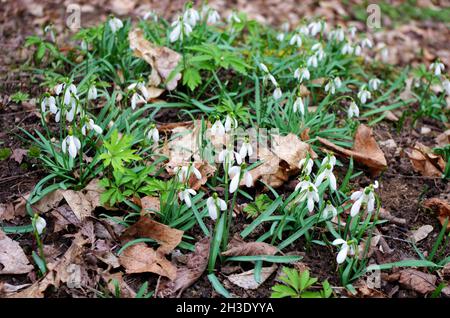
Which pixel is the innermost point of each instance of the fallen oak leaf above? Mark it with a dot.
(18, 154)
(424, 161)
(189, 274)
(247, 280)
(418, 281)
(442, 207)
(421, 233)
(12, 258)
(365, 150)
(238, 247)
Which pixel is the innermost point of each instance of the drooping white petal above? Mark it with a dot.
(342, 255)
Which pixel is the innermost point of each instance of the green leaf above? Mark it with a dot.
(191, 78)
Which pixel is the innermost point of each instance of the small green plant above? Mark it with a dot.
(5, 153)
(298, 284)
(262, 202)
(118, 151)
(20, 97)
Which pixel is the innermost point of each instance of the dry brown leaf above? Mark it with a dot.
(12, 258)
(18, 154)
(85, 201)
(125, 290)
(418, 281)
(162, 59)
(206, 170)
(424, 161)
(167, 237)
(365, 150)
(122, 7)
(238, 247)
(421, 233)
(189, 274)
(7, 212)
(183, 146)
(442, 207)
(443, 139)
(247, 280)
(139, 258)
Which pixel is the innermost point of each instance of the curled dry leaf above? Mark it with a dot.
(162, 59)
(238, 247)
(424, 161)
(365, 150)
(421, 233)
(418, 281)
(281, 161)
(18, 154)
(442, 207)
(167, 237)
(443, 139)
(139, 258)
(247, 280)
(12, 258)
(149, 204)
(189, 274)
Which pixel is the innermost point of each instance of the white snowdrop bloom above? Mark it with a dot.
(374, 83)
(437, 67)
(70, 115)
(352, 31)
(344, 250)
(366, 43)
(115, 24)
(353, 110)
(92, 92)
(329, 209)
(446, 86)
(180, 30)
(340, 35)
(217, 129)
(320, 54)
(364, 94)
(153, 134)
(72, 145)
(277, 93)
(308, 191)
(384, 53)
(141, 87)
(228, 157)
(135, 99)
(327, 173)
(246, 150)
(272, 80)
(298, 106)
(214, 204)
(264, 67)
(233, 18)
(235, 175)
(306, 166)
(90, 125)
(57, 116)
(365, 196)
(357, 51)
(347, 49)
(337, 82)
(213, 17)
(304, 30)
(69, 94)
(312, 61)
(317, 47)
(280, 37)
(191, 16)
(315, 27)
(230, 123)
(184, 173)
(40, 224)
(285, 27)
(330, 159)
(151, 15)
(49, 101)
(296, 40)
(330, 87)
(185, 196)
(302, 74)
(59, 88)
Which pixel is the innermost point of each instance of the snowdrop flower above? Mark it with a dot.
(339, 35)
(320, 54)
(264, 67)
(302, 74)
(353, 110)
(69, 94)
(153, 134)
(366, 43)
(71, 144)
(191, 16)
(70, 115)
(438, 67)
(230, 123)
(315, 27)
(304, 30)
(233, 18)
(151, 15)
(246, 149)
(308, 191)
(364, 94)
(343, 252)
(327, 173)
(217, 129)
(347, 49)
(332, 85)
(329, 208)
(298, 105)
(90, 125)
(115, 24)
(296, 40)
(185, 196)
(446, 86)
(357, 50)
(352, 31)
(306, 165)
(285, 27)
(92, 93)
(136, 97)
(374, 83)
(280, 37)
(277, 93)
(312, 61)
(59, 88)
(317, 47)
(180, 30)
(184, 173)
(214, 204)
(235, 175)
(227, 157)
(40, 224)
(49, 101)
(366, 196)
(213, 17)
